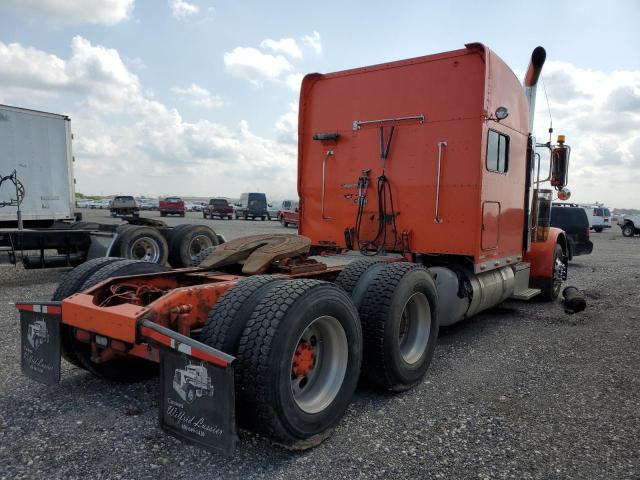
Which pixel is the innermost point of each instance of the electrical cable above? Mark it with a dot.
(376, 245)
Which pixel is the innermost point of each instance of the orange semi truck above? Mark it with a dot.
(420, 205)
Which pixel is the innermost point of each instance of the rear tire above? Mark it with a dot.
(356, 277)
(598, 229)
(229, 315)
(628, 230)
(72, 283)
(124, 369)
(399, 318)
(277, 352)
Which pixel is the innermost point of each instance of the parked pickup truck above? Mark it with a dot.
(218, 207)
(172, 206)
(124, 205)
(630, 225)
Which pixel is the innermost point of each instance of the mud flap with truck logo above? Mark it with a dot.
(40, 342)
(197, 400)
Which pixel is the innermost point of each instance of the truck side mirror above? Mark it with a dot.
(560, 164)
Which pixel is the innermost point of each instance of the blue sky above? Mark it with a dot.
(201, 94)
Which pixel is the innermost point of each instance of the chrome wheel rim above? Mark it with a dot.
(319, 364)
(558, 275)
(198, 244)
(145, 249)
(415, 328)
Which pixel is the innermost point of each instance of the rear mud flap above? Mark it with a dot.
(40, 341)
(197, 396)
(197, 401)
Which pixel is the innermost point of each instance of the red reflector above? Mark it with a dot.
(83, 335)
(118, 345)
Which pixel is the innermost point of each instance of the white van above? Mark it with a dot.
(599, 217)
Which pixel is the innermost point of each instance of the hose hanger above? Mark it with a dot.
(357, 124)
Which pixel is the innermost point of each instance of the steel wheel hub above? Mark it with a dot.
(319, 364)
(415, 328)
(145, 249)
(198, 244)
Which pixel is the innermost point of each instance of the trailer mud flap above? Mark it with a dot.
(197, 399)
(40, 341)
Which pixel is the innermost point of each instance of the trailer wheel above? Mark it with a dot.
(551, 286)
(187, 242)
(298, 362)
(399, 319)
(72, 283)
(127, 369)
(229, 315)
(141, 243)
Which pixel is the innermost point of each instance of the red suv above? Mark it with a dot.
(172, 206)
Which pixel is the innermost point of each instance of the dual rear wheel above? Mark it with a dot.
(301, 344)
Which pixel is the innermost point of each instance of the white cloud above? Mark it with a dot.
(600, 115)
(91, 69)
(198, 96)
(254, 66)
(288, 46)
(294, 81)
(120, 132)
(287, 125)
(313, 41)
(181, 9)
(106, 12)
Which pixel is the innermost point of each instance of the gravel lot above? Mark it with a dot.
(522, 391)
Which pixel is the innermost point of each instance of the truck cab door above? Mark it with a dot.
(490, 225)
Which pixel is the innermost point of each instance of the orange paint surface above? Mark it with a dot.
(457, 92)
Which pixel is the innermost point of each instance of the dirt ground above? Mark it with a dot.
(522, 391)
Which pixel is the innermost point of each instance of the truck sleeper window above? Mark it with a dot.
(497, 152)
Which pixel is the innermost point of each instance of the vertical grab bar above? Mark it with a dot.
(324, 172)
(440, 145)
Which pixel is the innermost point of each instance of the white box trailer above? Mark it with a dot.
(37, 145)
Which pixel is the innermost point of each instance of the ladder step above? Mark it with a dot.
(526, 294)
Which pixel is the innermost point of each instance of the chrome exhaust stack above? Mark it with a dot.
(538, 57)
